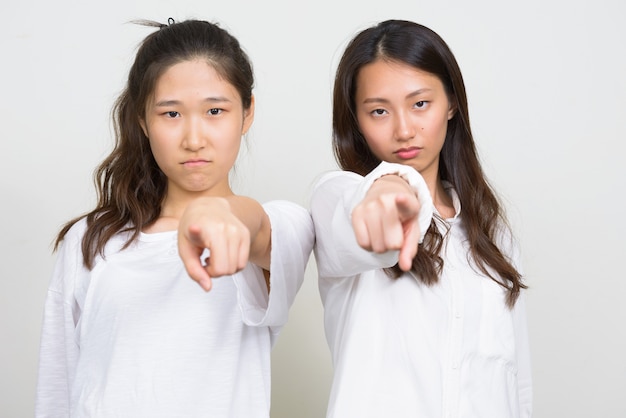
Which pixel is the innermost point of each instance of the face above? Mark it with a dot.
(403, 114)
(194, 121)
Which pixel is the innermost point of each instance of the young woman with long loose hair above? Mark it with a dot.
(126, 331)
(419, 273)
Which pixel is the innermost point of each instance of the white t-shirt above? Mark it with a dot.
(401, 348)
(136, 337)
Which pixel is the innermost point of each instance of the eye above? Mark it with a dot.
(421, 104)
(215, 111)
(378, 112)
(172, 114)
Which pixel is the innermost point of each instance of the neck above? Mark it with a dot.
(176, 201)
(173, 206)
(441, 199)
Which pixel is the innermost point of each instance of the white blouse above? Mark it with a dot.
(136, 337)
(401, 348)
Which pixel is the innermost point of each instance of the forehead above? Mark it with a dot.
(190, 71)
(385, 76)
(194, 79)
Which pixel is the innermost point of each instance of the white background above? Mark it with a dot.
(547, 93)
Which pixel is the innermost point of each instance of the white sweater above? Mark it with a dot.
(136, 337)
(404, 349)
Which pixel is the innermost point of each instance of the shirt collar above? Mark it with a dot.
(456, 203)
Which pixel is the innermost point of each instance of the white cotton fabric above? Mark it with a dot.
(404, 349)
(136, 337)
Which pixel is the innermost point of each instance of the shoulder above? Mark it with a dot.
(79, 228)
(73, 240)
(75, 234)
(69, 265)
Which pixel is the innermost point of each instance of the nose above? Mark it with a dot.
(404, 129)
(194, 137)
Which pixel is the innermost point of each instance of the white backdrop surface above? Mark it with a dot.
(546, 82)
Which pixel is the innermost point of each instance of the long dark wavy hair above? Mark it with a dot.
(130, 185)
(483, 217)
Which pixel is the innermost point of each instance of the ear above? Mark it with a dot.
(451, 108)
(248, 117)
(142, 123)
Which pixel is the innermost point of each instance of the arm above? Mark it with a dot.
(524, 377)
(520, 324)
(289, 229)
(292, 242)
(354, 215)
(386, 219)
(234, 229)
(509, 246)
(59, 349)
(53, 382)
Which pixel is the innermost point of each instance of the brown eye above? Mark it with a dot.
(215, 111)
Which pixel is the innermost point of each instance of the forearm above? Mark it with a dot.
(234, 229)
(333, 203)
(292, 242)
(337, 251)
(389, 183)
(253, 216)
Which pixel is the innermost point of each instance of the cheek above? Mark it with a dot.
(436, 129)
(160, 153)
(375, 136)
(155, 147)
(234, 149)
(378, 148)
(229, 147)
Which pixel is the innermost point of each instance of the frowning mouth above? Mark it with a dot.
(195, 163)
(408, 153)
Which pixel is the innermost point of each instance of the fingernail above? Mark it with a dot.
(206, 284)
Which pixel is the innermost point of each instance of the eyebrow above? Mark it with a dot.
(408, 96)
(218, 99)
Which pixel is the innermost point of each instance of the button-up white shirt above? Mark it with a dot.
(401, 348)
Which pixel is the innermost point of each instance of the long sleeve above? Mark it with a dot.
(292, 240)
(333, 199)
(59, 350)
(520, 328)
(524, 378)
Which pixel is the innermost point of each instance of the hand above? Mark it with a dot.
(386, 219)
(209, 223)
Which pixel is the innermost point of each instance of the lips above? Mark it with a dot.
(408, 153)
(195, 163)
